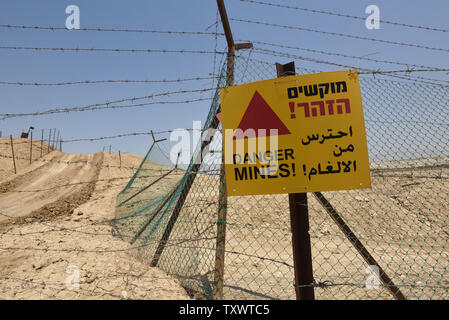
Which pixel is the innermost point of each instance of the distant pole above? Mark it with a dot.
(56, 141)
(31, 146)
(60, 144)
(120, 158)
(109, 148)
(42, 141)
(53, 140)
(49, 142)
(13, 157)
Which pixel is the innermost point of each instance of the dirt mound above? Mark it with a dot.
(50, 188)
(55, 232)
(22, 152)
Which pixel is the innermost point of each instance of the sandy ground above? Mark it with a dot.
(54, 229)
(55, 225)
(402, 221)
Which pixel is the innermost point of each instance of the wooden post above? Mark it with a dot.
(42, 141)
(120, 158)
(60, 144)
(13, 157)
(31, 146)
(299, 221)
(49, 142)
(56, 142)
(53, 140)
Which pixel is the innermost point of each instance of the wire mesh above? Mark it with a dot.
(402, 220)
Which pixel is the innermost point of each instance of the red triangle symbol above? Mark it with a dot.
(259, 116)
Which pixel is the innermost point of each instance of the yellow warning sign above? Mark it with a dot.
(295, 134)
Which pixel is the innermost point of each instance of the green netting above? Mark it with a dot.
(402, 220)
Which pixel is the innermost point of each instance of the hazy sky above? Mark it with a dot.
(176, 15)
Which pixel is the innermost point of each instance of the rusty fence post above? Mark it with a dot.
(42, 141)
(49, 139)
(31, 147)
(299, 222)
(13, 157)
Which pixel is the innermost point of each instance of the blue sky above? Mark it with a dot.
(193, 15)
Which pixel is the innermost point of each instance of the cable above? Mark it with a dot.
(340, 35)
(346, 15)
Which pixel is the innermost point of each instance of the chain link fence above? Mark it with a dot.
(171, 215)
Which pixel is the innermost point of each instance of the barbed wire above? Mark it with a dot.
(38, 141)
(58, 228)
(102, 29)
(78, 162)
(101, 165)
(363, 70)
(327, 284)
(416, 79)
(346, 15)
(110, 50)
(107, 105)
(171, 242)
(340, 34)
(68, 83)
(133, 134)
(408, 65)
(58, 186)
(97, 290)
(419, 79)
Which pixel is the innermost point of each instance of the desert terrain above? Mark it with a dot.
(55, 214)
(54, 227)
(402, 220)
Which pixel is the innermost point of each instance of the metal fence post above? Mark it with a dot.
(42, 141)
(299, 221)
(49, 141)
(31, 146)
(13, 157)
